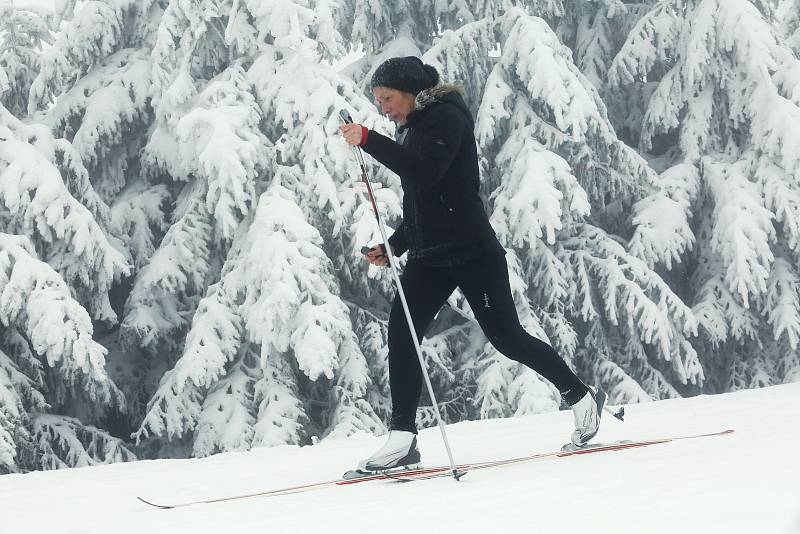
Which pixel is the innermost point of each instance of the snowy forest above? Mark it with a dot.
(181, 222)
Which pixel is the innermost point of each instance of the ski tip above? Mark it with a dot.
(161, 506)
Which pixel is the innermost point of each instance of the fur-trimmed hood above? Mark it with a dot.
(437, 93)
(443, 93)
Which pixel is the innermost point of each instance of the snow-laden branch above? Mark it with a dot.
(38, 203)
(632, 294)
(66, 442)
(215, 136)
(35, 299)
(95, 32)
(176, 273)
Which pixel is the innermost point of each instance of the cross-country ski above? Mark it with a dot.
(424, 473)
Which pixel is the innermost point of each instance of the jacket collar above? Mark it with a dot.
(433, 95)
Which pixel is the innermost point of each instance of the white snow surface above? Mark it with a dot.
(747, 482)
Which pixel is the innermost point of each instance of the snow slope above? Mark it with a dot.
(746, 482)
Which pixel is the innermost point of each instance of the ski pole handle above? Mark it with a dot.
(345, 116)
(347, 119)
(365, 250)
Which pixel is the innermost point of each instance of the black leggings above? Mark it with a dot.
(484, 282)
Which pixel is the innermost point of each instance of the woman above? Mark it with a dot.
(450, 244)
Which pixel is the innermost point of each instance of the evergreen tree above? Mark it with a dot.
(588, 278)
(718, 123)
(61, 171)
(49, 366)
(52, 368)
(246, 110)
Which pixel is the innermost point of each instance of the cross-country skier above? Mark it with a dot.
(450, 244)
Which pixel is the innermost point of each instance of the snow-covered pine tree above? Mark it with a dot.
(329, 191)
(365, 24)
(93, 91)
(247, 112)
(203, 153)
(49, 196)
(99, 70)
(595, 31)
(597, 302)
(37, 203)
(719, 124)
(49, 367)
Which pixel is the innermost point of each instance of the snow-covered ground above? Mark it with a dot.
(746, 482)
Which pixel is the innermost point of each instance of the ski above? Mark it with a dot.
(425, 473)
(567, 451)
(350, 477)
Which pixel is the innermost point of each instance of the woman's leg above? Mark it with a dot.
(485, 284)
(426, 289)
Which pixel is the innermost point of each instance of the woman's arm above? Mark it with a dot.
(398, 241)
(441, 137)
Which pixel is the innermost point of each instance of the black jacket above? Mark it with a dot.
(437, 162)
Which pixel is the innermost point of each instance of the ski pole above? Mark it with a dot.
(345, 116)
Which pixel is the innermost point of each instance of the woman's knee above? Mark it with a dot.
(509, 341)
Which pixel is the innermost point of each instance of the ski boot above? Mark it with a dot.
(587, 412)
(398, 451)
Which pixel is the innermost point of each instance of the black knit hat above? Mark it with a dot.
(408, 74)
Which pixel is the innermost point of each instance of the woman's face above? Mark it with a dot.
(398, 105)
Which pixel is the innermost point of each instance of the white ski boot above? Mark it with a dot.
(587, 412)
(399, 450)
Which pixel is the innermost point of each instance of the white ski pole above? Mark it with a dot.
(345, 116)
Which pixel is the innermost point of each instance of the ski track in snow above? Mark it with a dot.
(748, 482)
